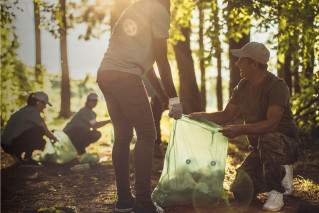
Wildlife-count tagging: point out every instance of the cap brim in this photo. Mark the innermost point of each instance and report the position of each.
(238, 53)
(49, 104)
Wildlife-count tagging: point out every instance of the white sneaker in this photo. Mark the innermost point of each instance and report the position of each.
(287, 182)
(274, 202)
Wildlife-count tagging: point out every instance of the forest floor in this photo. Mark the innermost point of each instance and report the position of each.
(55, 188)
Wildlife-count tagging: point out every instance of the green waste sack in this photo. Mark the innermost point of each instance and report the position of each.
(89, 158)
(132, 143)
(62, 151)
(194, 166)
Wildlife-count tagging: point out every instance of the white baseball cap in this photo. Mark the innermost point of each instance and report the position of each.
(254, 50)
(92, 96)
(41, 96)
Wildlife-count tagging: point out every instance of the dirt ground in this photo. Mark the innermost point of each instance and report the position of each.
(55, 188)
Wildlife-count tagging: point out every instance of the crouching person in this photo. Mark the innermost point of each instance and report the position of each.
(25, 129)
(263, 100)
(81, 129)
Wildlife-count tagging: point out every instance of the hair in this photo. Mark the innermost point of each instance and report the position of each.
(260, 65)
(32, 101)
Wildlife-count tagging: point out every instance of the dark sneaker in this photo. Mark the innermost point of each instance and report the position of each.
(124, 207)
(31, 163)
(149, 208)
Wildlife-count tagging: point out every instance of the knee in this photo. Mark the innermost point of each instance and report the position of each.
(270, 148)
(147, 135)
(267, 141)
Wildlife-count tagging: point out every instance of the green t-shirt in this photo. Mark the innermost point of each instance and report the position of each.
(81, 119)
(20, 121)
(255, 100)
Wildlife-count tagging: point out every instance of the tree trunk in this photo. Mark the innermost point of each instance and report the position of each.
(287, 72)
(38, 65)
(202, 59)
(234, 70)
(189, 94)
(219, 88)
(118, 7)
(65, 111)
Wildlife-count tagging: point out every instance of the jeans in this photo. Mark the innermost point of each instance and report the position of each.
(129, 108)
(158, 110)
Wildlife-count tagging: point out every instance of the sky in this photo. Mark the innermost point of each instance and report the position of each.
(84, 57)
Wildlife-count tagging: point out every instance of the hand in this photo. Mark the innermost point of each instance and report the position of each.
(232, 131)
(175, 108)
(195, 115)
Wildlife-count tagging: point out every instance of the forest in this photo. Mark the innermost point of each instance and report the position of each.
(202, 32)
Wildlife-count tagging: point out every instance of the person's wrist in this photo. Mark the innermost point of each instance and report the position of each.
(173, 101)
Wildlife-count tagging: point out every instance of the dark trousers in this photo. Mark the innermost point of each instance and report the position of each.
(263, 166)
(157, 109)
(82, 138)
(129, 108)
(28, 141)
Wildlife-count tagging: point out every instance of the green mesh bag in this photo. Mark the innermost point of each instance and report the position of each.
(62, 151)
(194, 166)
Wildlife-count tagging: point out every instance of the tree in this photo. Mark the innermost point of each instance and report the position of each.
(15, 81)
(65, 110)
(38, 66)
(180, 28)
(238, 34)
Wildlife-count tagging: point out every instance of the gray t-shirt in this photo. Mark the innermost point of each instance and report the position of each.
(81, 119)
(20, 121)
(255, 100)
(131, 44)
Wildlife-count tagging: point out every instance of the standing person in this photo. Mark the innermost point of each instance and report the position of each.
(25, 129)
(81, 129)
(263, 100)
(137, 41)
(157, 110)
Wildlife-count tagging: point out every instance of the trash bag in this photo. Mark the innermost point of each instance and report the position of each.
(132, 143)
(89, 158)
(62, 151)
(194, 166)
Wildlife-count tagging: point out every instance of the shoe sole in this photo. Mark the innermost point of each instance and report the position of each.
(273, 210)
(123, 210)
(31, 166)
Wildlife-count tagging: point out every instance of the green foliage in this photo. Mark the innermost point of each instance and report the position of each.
(181, 14)
(305, 106)
(15, 76)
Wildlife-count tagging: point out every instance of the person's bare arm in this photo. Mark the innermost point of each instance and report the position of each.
(160, 48)
(99, 124)
(48, 133)
(274, 115)
(220, 117)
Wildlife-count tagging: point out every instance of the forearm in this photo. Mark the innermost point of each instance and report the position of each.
(166, 77)
(100, 124)
(152, 78)
(216, 117)
(258, 128)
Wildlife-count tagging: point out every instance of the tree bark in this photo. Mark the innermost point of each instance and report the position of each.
(234, 70)
(38, 63)
(189, 94)
(202, 59)
(65, 111)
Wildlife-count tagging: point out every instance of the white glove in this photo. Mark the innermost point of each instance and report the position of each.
(175, 108)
